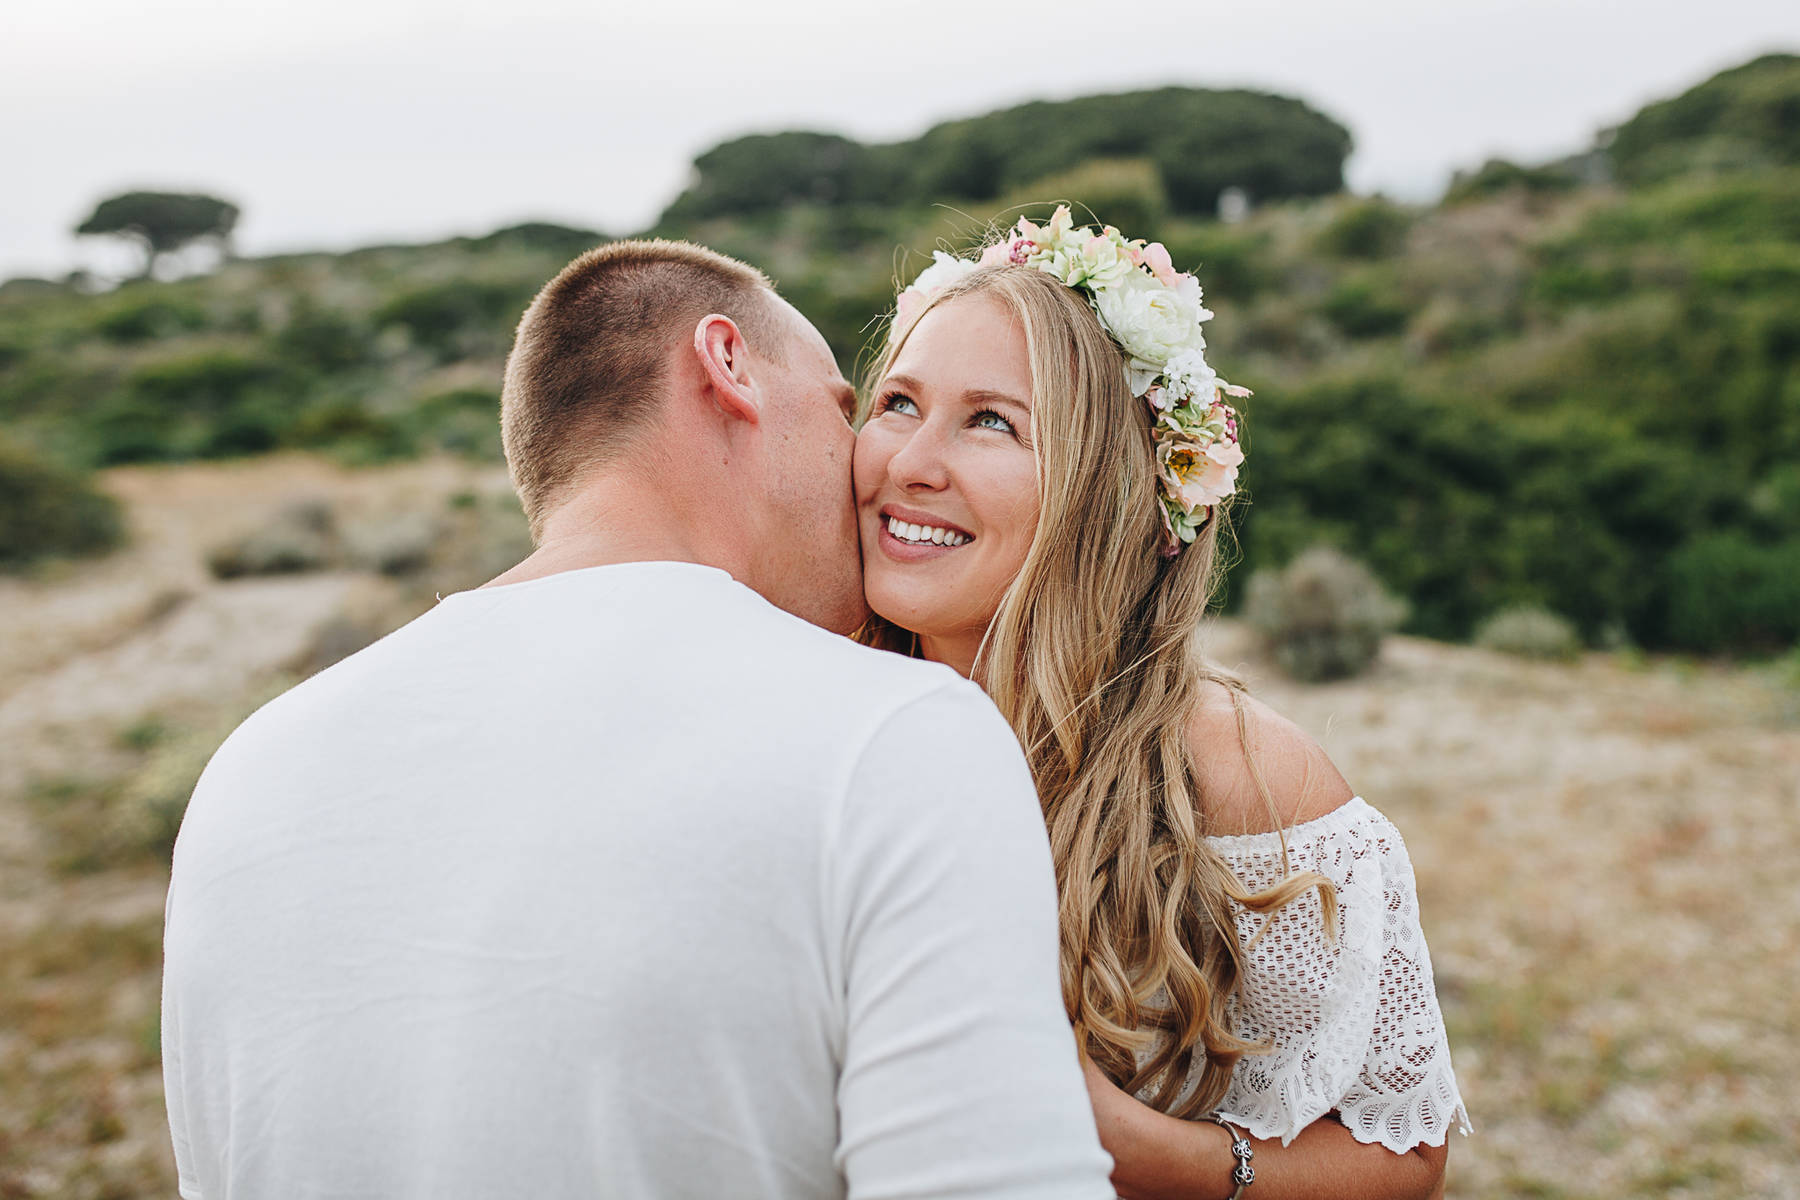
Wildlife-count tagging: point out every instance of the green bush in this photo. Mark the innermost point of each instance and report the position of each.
(1365, 308)
(461, 318)
(212, 404)
(463, 421)
(1366, 229)
(1323, 616)
(1728, 592)
(347, 430)
(138, 316)
(1530, 633)
(47, 510)
(323, 339)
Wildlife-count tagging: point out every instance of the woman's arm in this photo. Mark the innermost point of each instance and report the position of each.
(1157, 1156)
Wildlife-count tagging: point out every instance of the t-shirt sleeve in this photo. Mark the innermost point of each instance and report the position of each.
(959, 1075)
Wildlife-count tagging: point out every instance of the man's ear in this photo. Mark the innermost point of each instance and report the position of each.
(725, 358)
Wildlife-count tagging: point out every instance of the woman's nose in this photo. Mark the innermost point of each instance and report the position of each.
(919, 463)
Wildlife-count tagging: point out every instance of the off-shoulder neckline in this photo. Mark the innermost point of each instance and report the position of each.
(1354, 807)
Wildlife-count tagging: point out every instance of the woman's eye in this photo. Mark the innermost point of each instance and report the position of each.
(988, 419)
(897, 403)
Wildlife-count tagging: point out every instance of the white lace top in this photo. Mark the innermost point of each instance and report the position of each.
(1355, 1022)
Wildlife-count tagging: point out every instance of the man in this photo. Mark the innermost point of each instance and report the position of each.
(618, 877)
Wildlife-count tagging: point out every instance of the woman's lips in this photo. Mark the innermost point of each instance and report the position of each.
(902, 548)
(903, 551)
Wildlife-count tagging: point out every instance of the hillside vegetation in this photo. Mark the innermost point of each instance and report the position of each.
(1552, 390)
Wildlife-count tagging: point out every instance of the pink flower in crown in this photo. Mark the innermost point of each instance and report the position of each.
(997, 255)
(1213, 485)
(1226, 454)
(1195, 473)
(1020, 250)
(1156, 256)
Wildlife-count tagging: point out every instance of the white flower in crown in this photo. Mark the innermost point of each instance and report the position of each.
(1152, 322)
(945, 269)
(1187, 379)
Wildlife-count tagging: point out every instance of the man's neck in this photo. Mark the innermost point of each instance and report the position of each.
(605, 527)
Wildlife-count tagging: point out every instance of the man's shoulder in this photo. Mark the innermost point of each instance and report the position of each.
(839, 669)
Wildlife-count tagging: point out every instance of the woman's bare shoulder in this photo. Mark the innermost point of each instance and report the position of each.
(1301, 779)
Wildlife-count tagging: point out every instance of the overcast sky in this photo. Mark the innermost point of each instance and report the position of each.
(337, 123)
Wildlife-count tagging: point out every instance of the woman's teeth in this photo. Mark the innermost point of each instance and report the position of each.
(925, 535)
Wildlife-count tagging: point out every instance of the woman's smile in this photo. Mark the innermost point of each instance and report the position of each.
(910, 535)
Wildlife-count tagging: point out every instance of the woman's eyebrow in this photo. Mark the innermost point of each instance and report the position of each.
(989, 396)
(971, 396)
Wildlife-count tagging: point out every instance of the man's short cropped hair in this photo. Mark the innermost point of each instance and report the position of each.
(589, 359)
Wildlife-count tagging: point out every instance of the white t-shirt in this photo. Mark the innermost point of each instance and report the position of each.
(620, 882)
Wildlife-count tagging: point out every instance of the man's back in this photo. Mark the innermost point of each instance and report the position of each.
(620, 882)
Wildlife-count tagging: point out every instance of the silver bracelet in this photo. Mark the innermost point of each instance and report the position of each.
(1243, 1174)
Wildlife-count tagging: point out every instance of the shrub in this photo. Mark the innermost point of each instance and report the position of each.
(1530, 633)
(300, 537)
(348, 431)
(208, 405)
(136, 317)
(323, 339)
(47, 510)
(1365, 308)
(1323, 616)
(1728, 592)
(1368, 229)
(464, 421)
(460, 318)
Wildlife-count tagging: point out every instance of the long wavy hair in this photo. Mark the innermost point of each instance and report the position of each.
(1093, 657)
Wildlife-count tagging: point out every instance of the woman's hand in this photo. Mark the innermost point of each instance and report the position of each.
(1156, 1155)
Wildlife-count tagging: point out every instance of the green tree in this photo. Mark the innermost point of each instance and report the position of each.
(1200, 141)
(162, 222)
(765, 171)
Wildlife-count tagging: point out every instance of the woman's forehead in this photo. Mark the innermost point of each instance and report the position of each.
(972, 343)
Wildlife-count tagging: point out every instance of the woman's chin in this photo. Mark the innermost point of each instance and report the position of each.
(911, 613)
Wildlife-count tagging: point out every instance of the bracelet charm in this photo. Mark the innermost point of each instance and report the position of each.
(1243, 1174)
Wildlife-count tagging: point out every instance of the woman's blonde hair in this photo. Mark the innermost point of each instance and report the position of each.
(1093, 657)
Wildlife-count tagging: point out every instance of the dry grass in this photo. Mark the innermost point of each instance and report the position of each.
(1605, 854)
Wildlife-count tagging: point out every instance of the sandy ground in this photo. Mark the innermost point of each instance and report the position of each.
(1606, 858)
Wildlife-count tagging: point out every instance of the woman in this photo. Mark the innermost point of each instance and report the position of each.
(1042, 478)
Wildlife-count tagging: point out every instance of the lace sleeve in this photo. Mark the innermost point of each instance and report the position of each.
(1353, 1024)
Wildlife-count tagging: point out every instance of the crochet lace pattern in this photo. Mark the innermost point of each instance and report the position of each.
(1354, 1024)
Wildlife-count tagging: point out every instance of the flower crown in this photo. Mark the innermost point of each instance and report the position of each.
(1154, 314)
